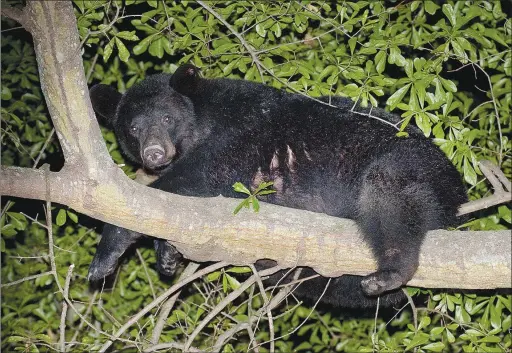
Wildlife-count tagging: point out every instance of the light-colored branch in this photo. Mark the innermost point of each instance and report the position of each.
(15, 14)
(501, 185)
(169, 304)
(330, 245)
(226, 301)
(160, 299)
(65, 293)
(28, 278)
(247, 46)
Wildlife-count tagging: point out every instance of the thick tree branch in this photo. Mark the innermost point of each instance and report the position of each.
(204, 229)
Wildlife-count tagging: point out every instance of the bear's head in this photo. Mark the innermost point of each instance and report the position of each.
(154, 121)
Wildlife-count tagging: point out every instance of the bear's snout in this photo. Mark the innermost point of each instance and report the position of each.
(153, 155)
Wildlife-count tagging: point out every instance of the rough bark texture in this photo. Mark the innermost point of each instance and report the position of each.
(204, 229)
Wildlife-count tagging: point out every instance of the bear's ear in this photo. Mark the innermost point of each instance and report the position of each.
(104, 101)
(185, 79)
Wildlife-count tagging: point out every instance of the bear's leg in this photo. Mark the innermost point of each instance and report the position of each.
(114, 242)
(167, 257)
(183, 179)
(395, 211)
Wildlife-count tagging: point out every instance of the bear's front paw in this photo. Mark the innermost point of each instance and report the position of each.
(381, 281)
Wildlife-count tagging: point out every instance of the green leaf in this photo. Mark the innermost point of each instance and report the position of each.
(6, 93)
(239, 269)
(127, 35)
(431, 7)
(352, 44)
(61, 217)
(108, 50)
(213, 276)
(255, 204)
(380, 61)
(233, 282)
(239, 187)
(469, 172)
(434, 347)
(124, 54)
(505, 214)
(156, 48)
(261, 30)
(72, 216)
(450, 14)
(245, 203)
(397, 96)
(143, 45)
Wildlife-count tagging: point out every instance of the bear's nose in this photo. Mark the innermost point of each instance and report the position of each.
(153, 154)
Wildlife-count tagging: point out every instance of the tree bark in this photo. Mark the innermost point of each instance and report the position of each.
(204, 229)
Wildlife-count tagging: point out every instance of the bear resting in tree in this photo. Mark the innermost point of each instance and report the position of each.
(203, 135)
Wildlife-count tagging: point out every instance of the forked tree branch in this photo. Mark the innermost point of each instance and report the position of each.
(204, 229)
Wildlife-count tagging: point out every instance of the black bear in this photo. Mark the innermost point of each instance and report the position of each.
(203, 135)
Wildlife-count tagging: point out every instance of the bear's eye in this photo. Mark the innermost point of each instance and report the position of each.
(166, 119)
(134, 129)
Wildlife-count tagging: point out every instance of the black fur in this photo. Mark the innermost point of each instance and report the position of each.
(204, 135)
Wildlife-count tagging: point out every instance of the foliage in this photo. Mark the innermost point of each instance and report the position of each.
(261, 190)
(444, 67)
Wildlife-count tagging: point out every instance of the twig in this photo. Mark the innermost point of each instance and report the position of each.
(307, 317)
(28, 278)
(15, 14)
(413, 308)
(91, 68)
(169, 304)
(269, 312)
(87, 312)
(228, 299)
(374, 334)
(221, 340)
(253, 54)
(172, 345)
(160, 299)
(500, 183)
(65, 294)
(150, 282)
(40, 154)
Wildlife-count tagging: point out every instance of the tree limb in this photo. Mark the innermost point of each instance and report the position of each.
(204, 229)
(15, 15)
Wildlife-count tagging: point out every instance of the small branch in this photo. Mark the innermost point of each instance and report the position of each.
(269, 312)
(307, 317)
(28, 278)
(82, 323)
(247, 46)
(228, 299)
(226, 335)
(501, 185)
(169, 304)
(495, 176)
(143, 263)
(413, 308)
(172, 346)
(160, 299)
(65, 294)
(15, 14)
